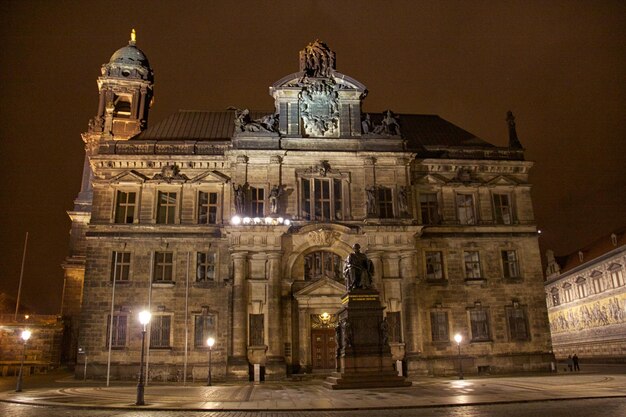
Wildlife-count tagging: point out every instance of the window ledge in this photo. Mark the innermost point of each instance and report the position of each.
(163, 284)
(482, 341)
(437, 281)
(161, 348)
(475, 281)
(513, 280)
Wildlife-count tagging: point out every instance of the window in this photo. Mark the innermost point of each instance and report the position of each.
(323, 264)
(385, 204)
(205, 266)
(204, 327)
(434, 266)
(518, 323)
(555, 297)
(394, 327)
(472, 265)
(321, 199)
(257, 330)
(125, 207)
(439, 326)
(120, 266)
(479, 320)
(510, 266)
(429, 208)
(465, 208)
(118, 338)
(207, 208)
(166, 207)
(163, 266)
(568, 293)
(121, 106)
(160, 327)
(502, 209)
(617, 278)
(581, 287)
(257, 202)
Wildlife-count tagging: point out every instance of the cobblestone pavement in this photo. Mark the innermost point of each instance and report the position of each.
(605, 407)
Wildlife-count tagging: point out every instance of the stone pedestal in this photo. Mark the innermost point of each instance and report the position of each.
(363, 354)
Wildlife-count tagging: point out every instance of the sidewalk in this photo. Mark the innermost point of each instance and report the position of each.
(310, 395)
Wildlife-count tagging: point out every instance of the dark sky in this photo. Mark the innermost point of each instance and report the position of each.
(559, 65)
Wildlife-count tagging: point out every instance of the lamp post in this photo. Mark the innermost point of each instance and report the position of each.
(144, 319)
(25, 336)
(210, 342)
(458, 338)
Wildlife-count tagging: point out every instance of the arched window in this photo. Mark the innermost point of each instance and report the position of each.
(323, 264)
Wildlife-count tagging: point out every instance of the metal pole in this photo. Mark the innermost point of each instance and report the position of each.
(18, 388)
(460, 363)
(149, 309)
(85, 369)
(140, 385)
(19, 288)
(209, 375)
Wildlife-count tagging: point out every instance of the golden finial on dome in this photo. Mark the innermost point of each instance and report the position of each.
(133, 37)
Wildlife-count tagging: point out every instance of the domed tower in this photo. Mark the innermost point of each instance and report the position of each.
(125, 93)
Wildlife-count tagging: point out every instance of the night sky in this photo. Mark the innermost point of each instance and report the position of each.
(558, 65)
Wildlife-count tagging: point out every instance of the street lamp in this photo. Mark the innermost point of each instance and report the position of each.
(144, 319)
(25, 336)
(210, 342)
(458, 338)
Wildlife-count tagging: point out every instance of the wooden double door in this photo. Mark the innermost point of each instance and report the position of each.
(323, 349)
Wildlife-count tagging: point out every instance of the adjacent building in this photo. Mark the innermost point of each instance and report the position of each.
(586, 297)
(235, 224)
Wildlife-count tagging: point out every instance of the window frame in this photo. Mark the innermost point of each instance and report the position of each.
(498, 212)
(123, 266)
(205, 331)
(169, 207)
(162, 264)
(617, 276)
(157, 332)
(432, 210)
(512, 325)
(257, 201)
(477, 334)
(427, 264)
(209, 209)
(316, 201)
(321, 258)
(384, 202)
(465, 209)
(118, 206)
(119, 339)
(439, 329)
(507, 263)
(206, 265)
(477, 266)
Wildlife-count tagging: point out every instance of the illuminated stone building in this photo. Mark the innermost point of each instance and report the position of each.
(236, 224)
(586, 297)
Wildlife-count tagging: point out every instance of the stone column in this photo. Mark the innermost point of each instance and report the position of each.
(376, 258)
(410, 316)
(275, 356)
(240, 310)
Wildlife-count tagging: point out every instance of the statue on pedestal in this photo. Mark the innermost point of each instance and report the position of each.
(358, 270)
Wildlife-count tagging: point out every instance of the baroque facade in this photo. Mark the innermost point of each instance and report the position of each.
(586, 298)
(236, 225)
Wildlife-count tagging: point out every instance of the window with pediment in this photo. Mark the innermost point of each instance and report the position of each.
(554, 294)
(517, 320)
(568, 293)
(322, 199)
(207, 207)
(429, 208)
(617, 275)
(439, 327)
(479, 324)
(125, 207)
(581, 287)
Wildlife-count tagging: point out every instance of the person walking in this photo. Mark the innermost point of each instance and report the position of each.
(570, 363)
(575, 362)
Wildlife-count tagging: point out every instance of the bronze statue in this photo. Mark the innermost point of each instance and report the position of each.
(358, 270)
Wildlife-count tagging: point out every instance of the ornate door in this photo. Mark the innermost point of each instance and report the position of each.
(323, 348)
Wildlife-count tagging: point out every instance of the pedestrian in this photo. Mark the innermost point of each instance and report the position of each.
(575, 361)
(570, 363)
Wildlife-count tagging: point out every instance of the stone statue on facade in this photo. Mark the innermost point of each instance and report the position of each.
(403, 199)
(240, 198)
(358, 270)
(244, 123)
(370, 202)
(317, 60)
(275, 194)
(366, 124)
(388, 126)
(384, 331)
